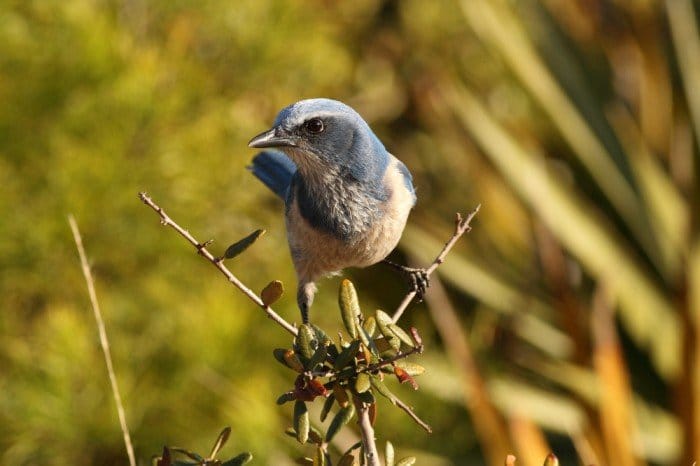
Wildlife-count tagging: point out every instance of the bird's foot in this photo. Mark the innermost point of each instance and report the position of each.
(418, 278)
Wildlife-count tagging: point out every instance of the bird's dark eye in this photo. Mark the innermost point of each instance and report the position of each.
(315, 125)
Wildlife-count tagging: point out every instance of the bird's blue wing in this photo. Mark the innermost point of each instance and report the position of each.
(275, 170)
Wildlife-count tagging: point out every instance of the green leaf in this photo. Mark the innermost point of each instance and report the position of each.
(327, 405)
(369, 343)
(320, 458)
(403, 336)
(279, 353)
(370, 326)
(305, 342)
(321, 336)
(346, 355)
(272, 292)
(362, 384)
(240, 246)
(318, 357)
(389, 454)
(349, 307)
(301, 421)
(383, 322)
(220, 442)
(339, 420)
(239, 460)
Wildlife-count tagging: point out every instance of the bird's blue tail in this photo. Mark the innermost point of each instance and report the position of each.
(275, 169)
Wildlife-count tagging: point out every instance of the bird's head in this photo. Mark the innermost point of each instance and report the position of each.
(326, 136)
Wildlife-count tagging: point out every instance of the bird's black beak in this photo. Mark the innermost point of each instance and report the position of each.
(275, 137)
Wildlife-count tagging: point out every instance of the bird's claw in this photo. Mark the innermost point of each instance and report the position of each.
(418, 279)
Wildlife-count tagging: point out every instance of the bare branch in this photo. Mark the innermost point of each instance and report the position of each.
(462, 226)
(103, 339)
(369, 443)
(413, 415)
(218, 263)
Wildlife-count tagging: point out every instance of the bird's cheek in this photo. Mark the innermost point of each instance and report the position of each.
(304, 159)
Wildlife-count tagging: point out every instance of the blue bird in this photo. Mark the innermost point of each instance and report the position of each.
(346, 198)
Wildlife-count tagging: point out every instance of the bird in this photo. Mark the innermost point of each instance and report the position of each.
(347, 199)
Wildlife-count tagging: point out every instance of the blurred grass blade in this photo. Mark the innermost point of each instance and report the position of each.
(665, 204)
(499, 27)
(615, 407)
(528, 439)
(645, 311)
(493, 291)
(684, 30)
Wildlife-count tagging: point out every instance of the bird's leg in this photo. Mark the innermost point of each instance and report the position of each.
(305, 297)
(418, 279)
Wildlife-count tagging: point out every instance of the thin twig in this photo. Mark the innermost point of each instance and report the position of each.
(462, 225)
(369, 443)
(218, 263)
(413, 415)
(103, 338)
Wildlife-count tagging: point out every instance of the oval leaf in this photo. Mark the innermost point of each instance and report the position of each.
(403, 336)
(408, 461)
(362, 383)
(305, 342)
(301, 421)
(240, 246)
(389, 454)
(349, 306)
(327, 405)
(239, 460)
(383, 322)
(341, 395)
(346, 355)
(292, 360)
(370, 326)
(341, 418)
(272, 292)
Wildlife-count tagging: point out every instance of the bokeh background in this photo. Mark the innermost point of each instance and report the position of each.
(567, 321)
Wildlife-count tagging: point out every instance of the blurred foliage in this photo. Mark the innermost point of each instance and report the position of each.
(576, 297)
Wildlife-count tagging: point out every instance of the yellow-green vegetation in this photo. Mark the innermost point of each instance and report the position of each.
(568, 320)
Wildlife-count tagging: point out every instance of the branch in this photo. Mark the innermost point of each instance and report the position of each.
(462, 226)
(412, 415)
(103, 339)
(218, 263)
(369, 444)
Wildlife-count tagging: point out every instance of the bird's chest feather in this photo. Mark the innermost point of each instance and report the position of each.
(345, 226)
